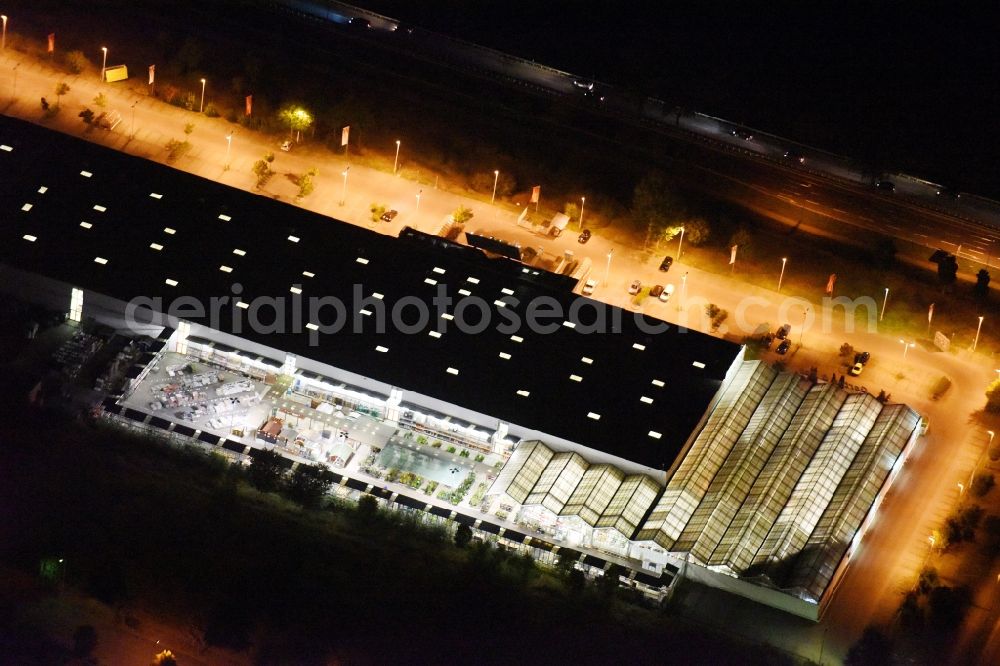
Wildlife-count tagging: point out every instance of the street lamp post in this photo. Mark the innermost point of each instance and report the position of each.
(802, 331)
(906, 347)
(684, 291)
(980, 459)
(496, 179)
(131, 133)
(680, 244)
(979, 328)
(4, 17)
(343, 196)
(781, 277)
(885, 299)
(418, 202)
(583, 203)
(201, 107)
(13, 95)
(104, 61)
(229, 146)
(395, 163)
(607, 271)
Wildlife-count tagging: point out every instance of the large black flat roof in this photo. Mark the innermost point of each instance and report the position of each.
(127, 227)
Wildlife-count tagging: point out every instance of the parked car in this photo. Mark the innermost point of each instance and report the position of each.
(856, 370)
(588, 287)
(656, 290)
(783, 332)
(886, 185)
(634, 287)
(862, 357)
(584, 236)
(388, 215)
(666, 264)
(741, 133)
(286, 145)
(666, 293)
(948, 192)
(784, 346)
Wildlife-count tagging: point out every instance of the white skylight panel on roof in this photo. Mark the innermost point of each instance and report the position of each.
(171, 282)
(587, 360)
(361, 260)
(658, 382)
(365, 311)
(244, 306)
(594, 415)
(430, 281)
(225, 269)
(294, 239)
(295, 290)
(506, 291)
(655, 435)
(239, 253)
(499, 304)
(156, 195)
(308, 274)
(168, 230)
(43, 189)
(86, 225)
(4, 147)
(523, 393)
(698, 364)
(452, 371)
(647, 400)
(516, 338)
(638, 346)
(99, 208)
(447, 316)
(86, 174)
(465, 292)
(434, 334)
(473, 280)
(26, 207)
(29, 238)
(156, 246)
(312, 327)
(378, 295)
(100, 260)
(381, 349)
(505, 356)
(569, 324)
(576, 378)
(439, 271)
(224, 217)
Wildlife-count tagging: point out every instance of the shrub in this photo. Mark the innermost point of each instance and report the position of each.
(76, 62)
(87, 115)
(982, 484)
(451, 449)
(211, 111)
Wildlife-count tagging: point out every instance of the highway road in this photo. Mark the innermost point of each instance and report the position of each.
(890, 555)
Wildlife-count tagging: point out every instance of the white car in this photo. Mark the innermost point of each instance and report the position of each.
(589, 286)
(666, 293)
(634, 287)
(286, 145)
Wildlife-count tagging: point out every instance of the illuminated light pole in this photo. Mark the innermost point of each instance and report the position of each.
(496, 179)
(607, 272)
(131, 133)
(343, 196)
(979, 460)
(906, 346)
(583, 203)
(680, 244)
(229, 147)
(4, 17)
(784, 260)
(395, 163)
(104, 61)
(979, 328)
(13, 95)
(885, 299)
(802, 331)
(418, 202)
(684, 291)
(201, 107)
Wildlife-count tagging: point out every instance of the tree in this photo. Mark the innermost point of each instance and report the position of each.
(84, 641)
(483, 182)
(309, 484)
(189, 55)
(87, 115)
(462, 215)
(367, 508)
(608, 583)
(567, 561)
(982, 484)
(947, 270)
(741, 237)
(846, 350)
(165, 658)
(571, 210)
(873, 649)
(101, 100)
(654, 204)
(982, 287)
(61, 89)
(76, 62)
(947, 605)
(463, 535)
(377, 211)
(266, 470)
(298, 120)
(188, 128)
(697, 230)
(928, 580)
(993, 397)
(306, 185)
(262, 170)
